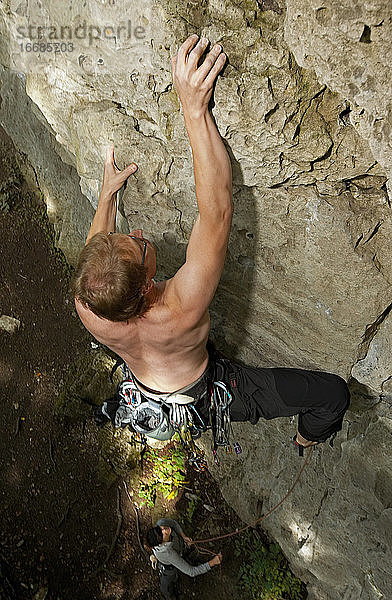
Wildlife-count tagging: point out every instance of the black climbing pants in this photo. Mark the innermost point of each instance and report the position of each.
(320, 399)
(168, 576)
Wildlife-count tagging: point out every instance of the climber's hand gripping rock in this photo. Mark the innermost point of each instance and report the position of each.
(194, 84)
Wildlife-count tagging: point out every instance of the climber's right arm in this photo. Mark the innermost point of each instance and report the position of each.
(195, 282)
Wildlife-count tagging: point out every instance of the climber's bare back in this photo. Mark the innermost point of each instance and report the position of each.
(165, 349)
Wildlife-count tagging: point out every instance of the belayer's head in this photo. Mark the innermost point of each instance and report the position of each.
(154, 536)
(114, 275)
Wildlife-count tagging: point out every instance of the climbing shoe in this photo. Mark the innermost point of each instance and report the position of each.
(297, 445)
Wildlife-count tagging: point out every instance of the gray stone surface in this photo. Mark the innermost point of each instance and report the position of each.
(51, 169)
(375, 370)
(304, 109)
(335, 527)
(348, 44)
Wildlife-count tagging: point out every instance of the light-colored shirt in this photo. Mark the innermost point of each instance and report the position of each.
(169, 553)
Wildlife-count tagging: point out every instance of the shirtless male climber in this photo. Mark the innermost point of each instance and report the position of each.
(161, 329)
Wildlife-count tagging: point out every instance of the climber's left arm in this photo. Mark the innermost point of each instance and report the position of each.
(113, 179)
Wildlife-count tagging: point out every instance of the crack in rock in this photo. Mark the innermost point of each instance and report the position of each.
(317, 513)
(375, 230)
(385, 381)
(314, 97)
(371, 331)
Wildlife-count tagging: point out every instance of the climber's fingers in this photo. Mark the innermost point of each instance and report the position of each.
(193, 84)
(123, 175)
(113, 177)
(185, 48)
(196, 53)
(211, 67)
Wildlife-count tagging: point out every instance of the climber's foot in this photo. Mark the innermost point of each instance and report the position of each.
(303, 441)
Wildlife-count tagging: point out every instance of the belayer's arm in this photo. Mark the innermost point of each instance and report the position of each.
(177, 561)
(113, 179)
(195, 283)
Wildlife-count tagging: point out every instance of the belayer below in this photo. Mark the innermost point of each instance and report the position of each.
(167, 542)
(173, 379)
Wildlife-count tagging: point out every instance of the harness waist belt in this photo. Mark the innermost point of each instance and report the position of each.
(196, 389)
(166, 567)
(172, 398)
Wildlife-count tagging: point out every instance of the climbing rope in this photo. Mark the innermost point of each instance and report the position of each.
(238, 531)
(139, 535)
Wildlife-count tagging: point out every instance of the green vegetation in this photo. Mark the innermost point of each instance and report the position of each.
(167, 475)
(265, 574)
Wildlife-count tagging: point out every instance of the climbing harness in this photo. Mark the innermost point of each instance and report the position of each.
(162, 415)
(156, 416)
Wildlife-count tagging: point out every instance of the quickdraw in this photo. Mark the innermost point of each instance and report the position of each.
(195, 456)
(220, 420)
(139, 438)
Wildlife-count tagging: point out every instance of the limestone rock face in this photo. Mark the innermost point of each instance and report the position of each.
(375, 369)
(304, 108)
(335, 525)
(349, 47)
